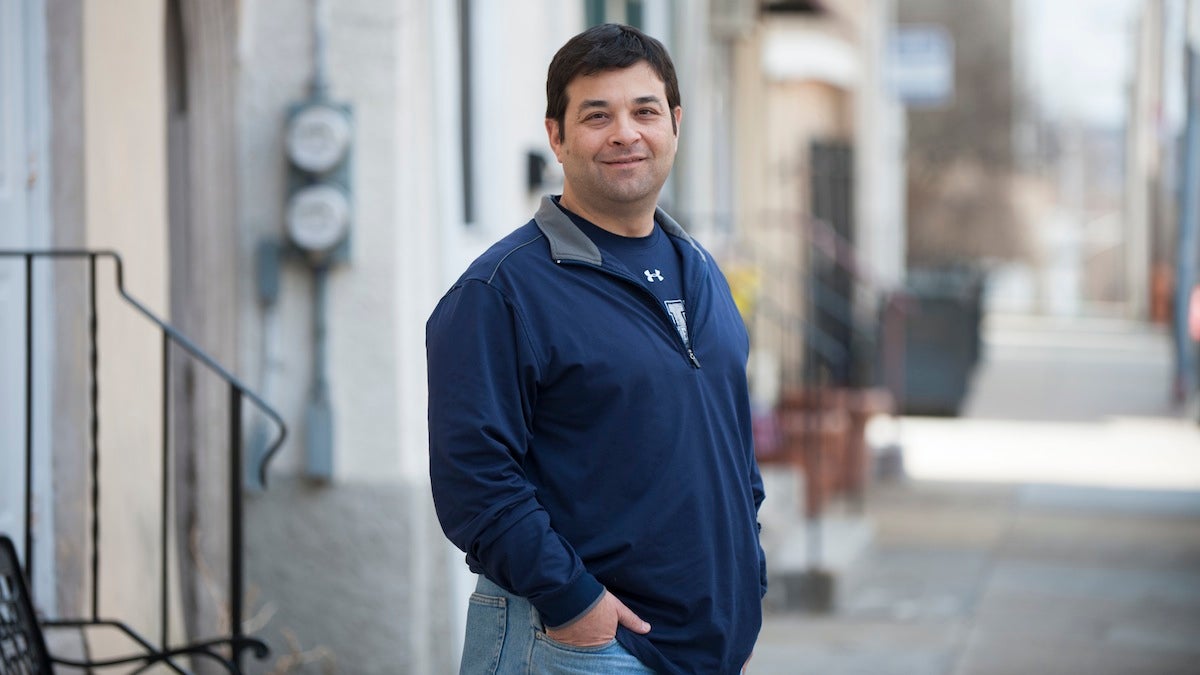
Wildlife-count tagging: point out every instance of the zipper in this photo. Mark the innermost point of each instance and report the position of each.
(658, 307)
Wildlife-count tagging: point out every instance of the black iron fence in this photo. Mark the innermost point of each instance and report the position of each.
(226, 649)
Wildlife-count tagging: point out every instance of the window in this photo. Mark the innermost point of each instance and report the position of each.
(615, 11)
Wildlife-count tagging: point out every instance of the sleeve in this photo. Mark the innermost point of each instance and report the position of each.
(482, 389)
(756, 486)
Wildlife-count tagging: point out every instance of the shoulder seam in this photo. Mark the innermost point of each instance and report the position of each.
(516, 310)
(516, 248)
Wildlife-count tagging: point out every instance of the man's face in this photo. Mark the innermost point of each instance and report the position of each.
(618, 141)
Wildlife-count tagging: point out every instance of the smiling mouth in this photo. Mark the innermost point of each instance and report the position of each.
(624, 161)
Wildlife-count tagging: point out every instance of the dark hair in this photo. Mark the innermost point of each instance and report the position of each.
(609, 46)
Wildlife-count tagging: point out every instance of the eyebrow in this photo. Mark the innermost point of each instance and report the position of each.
(601, 103)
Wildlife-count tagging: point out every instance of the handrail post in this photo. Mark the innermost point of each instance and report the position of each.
(164, 532)
(235, 521)
(94, 365)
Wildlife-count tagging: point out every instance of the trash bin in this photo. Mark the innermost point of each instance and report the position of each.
(942, 340)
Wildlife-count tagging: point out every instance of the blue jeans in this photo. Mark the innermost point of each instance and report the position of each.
(505, 636)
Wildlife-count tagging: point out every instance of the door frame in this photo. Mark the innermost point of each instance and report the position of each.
(24, 194)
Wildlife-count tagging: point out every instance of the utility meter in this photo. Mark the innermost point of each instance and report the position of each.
(318, 217)
(318, 141)
(318, 138)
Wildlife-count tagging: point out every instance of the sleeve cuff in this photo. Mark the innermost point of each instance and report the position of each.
(568, 604)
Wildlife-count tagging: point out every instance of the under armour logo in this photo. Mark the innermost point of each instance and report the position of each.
(653, 276)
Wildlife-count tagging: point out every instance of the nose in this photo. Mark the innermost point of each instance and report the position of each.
(624, 131)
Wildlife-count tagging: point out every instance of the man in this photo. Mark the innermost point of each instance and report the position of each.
(589, 422)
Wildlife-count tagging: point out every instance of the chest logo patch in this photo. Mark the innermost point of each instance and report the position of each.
(675, 309)
(653, 276)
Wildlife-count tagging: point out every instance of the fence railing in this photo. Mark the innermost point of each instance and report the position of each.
(238, 395)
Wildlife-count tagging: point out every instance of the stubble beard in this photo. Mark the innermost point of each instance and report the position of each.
(629, 191)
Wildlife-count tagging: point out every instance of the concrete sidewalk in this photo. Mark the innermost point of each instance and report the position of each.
(1054, 529)
(973, 579)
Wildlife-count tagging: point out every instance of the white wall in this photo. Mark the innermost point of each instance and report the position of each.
(274, 43)
(512, 44)
(383, 59)
(697, 66)
(126, 210)
(376, 58)
(397, 65)
(879, 160)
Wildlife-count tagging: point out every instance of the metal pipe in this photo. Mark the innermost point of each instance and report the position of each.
(29, 419)
(319, 422)
(321, 294)
(320, 81)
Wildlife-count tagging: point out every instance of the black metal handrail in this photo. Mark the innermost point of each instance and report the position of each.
(238, 393)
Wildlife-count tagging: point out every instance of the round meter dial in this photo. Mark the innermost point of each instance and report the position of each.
(318, 217)
(318, 138)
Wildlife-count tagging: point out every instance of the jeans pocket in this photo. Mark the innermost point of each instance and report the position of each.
(486, 621)
(549, 656)
(551, 642)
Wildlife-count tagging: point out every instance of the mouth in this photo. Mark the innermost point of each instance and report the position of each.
(623, 161)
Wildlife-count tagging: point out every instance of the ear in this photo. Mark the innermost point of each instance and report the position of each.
(678, 113)
(552, 136)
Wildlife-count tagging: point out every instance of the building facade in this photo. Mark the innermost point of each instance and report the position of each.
(159, 129)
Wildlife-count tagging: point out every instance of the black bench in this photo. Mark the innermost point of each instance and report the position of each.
(23, 644)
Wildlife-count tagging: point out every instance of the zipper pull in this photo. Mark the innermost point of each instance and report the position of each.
(692, 356)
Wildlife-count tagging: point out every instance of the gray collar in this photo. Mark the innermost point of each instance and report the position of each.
(568, 242)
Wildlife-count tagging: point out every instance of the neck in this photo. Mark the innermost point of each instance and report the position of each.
(626, 220)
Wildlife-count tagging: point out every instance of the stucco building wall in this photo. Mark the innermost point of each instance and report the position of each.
(125, 210)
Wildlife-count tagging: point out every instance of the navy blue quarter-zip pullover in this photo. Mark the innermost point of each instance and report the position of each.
(579, 440)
